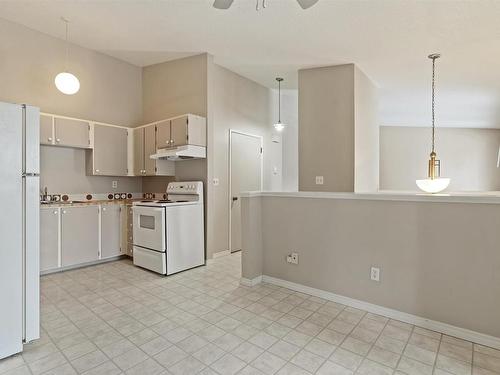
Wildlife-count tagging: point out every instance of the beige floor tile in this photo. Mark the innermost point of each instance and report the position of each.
(47, 363)
(268, 363)
(320, 348)
(424, 342)
(187, 366)
(356, 346)
(346, 359)
(148, 367)
(331, 336)
(330, 368)
(209, 354)
(106, 368)
(487, 362)
(308, 361)
(390, 344)
(263, 340)
(297, 338)
(290, 369)
(130, 359)
(412, 367)
(89, 361)
(422, 355)
(170, 356)
(284, 350)
(383, 357)
(457, 352)
(487, 350)
(369, 367)
(452, 365)
(228, 364)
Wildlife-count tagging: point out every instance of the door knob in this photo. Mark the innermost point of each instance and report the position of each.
(235, 199)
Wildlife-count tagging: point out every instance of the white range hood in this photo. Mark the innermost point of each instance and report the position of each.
(186, 152)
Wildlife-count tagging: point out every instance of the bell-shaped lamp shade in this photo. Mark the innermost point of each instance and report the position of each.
(279, 126)
(433, 185)
(67, 83)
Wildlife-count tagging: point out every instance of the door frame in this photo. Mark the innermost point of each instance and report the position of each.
(230, 195)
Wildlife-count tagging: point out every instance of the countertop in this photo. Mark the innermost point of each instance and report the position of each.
(459, 197)
(90, 203)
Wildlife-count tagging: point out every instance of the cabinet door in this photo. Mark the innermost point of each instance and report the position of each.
(49, 238)
(179, 129)
(139, 152)
(46, 130)
(110, 231)
(79, 234)
(110, 150)
(149, 149)
(163, 134)
(72, 133)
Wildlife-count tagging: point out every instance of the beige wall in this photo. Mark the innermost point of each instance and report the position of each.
(326, 128)
(110, 89)
(438, 260)
(366, 134)
(174, 88)
(110, 92)
(240, 104)
(468, 157)
(62, 170)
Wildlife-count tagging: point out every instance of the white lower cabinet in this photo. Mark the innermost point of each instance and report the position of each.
(79, 235)
(111, 229)
(49, 238)
(74, 235)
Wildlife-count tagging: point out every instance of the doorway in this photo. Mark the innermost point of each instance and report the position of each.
(245, 174)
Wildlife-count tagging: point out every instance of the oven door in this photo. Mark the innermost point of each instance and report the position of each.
(149, 227)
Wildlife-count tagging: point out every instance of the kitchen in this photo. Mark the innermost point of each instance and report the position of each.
(151, 257)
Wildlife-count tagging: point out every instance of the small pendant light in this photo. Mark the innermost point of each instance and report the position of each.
(279, 126)
(66, 82)
(433, 183)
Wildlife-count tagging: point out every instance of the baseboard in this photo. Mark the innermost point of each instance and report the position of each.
(83, 265)
(447, 329)
(251, 282)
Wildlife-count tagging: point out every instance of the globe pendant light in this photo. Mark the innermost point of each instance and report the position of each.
(279, 126)
(433, 183)
(66, 82)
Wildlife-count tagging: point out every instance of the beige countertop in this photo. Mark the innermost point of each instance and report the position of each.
(492, 197)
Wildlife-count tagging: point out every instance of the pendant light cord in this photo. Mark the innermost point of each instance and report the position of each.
(67, 43)
(433, 99)
(279, 102)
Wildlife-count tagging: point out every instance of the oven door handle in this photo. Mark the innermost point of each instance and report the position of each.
(147, 209)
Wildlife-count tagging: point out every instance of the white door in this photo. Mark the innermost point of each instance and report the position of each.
(246, 175)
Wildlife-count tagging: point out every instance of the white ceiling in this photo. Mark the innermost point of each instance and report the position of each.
(388, 39)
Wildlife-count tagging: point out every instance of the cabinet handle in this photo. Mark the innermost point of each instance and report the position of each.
(97, 171)
(49, 139)
(64, 211)
(58, 140)
(104, 208)
(55, 212)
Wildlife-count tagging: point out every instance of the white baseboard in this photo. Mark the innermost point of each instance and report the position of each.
(251, 282)
(447, 329)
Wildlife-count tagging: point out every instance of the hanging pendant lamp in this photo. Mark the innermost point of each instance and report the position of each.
(433, 183)
(279, 126)
(67, 82)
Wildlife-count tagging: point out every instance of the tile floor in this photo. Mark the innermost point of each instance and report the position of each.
(116, 318)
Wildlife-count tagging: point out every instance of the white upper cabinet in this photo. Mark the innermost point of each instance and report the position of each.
(46, 130)
(71, 132)
(182, 130)
(109, 154)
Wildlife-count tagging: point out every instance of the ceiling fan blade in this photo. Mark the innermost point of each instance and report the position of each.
(307, 3)
(222, 4)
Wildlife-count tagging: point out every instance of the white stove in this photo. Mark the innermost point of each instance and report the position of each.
(169, 234)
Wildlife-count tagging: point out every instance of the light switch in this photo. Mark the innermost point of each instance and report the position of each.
(114, 184)
(215, 181)
(319, 180)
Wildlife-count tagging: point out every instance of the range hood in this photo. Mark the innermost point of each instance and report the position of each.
(186, 152)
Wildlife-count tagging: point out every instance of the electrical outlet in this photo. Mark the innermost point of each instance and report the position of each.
(319, 180)
(114, 184)
(293, 258)
(215, 181)
(375, 274)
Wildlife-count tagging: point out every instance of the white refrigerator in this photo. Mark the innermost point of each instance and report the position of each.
(19, 227)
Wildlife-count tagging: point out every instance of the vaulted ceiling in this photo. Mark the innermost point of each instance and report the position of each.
(388, 39)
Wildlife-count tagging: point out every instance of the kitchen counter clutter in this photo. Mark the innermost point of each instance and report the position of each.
(438, 256)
